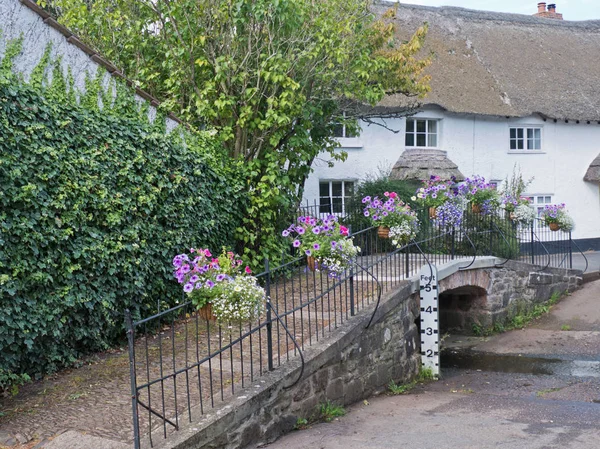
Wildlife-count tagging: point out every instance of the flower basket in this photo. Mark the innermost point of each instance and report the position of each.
(432, 212)
(383, 232)
(476, 208)
(206, 312)
(311, 262)
(554, 226)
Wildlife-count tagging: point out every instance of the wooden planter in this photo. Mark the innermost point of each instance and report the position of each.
(432, 212)
(206, 312)
(554, 226)
(383, 232)
(311, 262)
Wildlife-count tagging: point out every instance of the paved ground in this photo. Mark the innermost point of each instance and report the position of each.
(532, 388)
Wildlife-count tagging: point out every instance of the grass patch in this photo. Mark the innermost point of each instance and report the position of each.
(326, 412)
(565, 327)
(520, 320)
(545, 391)
(425, 375)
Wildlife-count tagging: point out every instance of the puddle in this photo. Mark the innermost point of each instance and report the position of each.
(505, 363)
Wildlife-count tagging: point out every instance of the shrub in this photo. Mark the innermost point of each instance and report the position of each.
(92, 206)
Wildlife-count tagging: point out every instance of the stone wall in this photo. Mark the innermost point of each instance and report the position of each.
(494, 295)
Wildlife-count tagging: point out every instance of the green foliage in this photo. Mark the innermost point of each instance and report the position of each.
(425, 375)
(301, 424)
(329, 411)
(272, 78)
(10, 382)
(92, 209)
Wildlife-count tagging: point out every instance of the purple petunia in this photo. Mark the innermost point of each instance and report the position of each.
(317, 247)
(285, 233)
(308, 252)
(296, 243)
(188, 287)
(194, 279)
(220, 277)
(210, 284)
(316, 230)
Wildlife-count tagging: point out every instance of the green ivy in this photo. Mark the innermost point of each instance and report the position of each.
(93, 206)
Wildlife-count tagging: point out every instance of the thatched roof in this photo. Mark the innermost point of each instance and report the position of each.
(593, 171)
(419, 164)
(506, 64)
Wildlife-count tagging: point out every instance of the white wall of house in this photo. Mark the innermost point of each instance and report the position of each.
(17, 20)
(480, 145)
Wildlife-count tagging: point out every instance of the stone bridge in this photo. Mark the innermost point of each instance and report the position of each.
(358, 361)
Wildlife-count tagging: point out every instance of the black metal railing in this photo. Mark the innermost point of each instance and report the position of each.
(183, 365)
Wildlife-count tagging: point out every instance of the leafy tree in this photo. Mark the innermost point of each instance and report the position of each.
(271, 77)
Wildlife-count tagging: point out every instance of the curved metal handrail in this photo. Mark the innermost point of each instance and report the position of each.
(293, 338)
(379, 290)
(543, 246)
(581, 252)
(505, 241)
(474, 250)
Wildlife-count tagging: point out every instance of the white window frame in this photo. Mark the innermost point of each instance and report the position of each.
(345, 131)
(427, 133)
(525, 139)
(539, 200)
(344, 197)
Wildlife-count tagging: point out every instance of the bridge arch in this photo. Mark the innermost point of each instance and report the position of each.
(463, 301)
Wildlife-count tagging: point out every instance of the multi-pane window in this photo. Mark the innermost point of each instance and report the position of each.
(341, 130)
(539, 201)
(333, 196)
(421, 133)
(525, 138)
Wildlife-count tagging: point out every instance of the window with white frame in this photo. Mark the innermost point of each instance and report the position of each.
(525, 138)
(421, 133)
(539, 201)
(334, 195)
(342, 130)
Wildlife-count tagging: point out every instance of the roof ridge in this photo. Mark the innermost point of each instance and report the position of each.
(483, 15)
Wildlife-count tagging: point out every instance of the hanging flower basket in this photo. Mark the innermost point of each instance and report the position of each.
(311, 262)
(554, 226)
(432, 212)
(383, 232)
(206, 312)
(476, 208)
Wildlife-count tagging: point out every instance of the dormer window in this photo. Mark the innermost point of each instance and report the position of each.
(421, 133)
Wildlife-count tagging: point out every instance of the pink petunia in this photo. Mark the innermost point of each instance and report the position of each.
(207, 253)
(248, 270)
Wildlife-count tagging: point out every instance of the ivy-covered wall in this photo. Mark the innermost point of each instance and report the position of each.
(93, 206)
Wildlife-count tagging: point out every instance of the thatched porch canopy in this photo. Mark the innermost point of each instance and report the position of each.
(419, 164)
(593, 171)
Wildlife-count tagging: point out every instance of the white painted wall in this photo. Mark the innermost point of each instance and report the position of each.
(480, 145)
(18, 20)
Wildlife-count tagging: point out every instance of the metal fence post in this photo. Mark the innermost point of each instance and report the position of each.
(452, 249)
(406, 263)
(570, 251)
(352, 312)
(269, 316)
(532, 244)
(132, 375)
